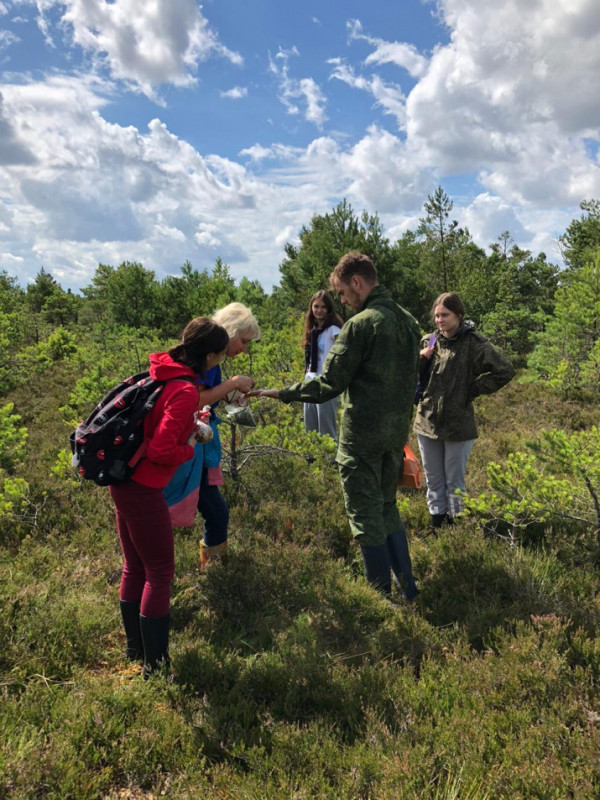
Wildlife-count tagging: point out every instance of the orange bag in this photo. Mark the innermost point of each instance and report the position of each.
(412, 476)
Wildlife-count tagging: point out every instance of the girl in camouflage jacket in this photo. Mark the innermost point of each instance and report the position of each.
(456, 365)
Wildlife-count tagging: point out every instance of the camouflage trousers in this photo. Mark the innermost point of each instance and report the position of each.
(369, 484)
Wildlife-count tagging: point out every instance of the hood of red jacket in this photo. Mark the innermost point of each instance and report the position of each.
(163, 368)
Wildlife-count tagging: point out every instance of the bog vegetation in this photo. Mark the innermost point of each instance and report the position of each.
(291, 677)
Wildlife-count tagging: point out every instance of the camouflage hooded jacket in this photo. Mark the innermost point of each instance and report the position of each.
(462, 368)
(373, 365)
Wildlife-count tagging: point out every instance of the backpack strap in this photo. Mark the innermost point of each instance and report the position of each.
(141, 452)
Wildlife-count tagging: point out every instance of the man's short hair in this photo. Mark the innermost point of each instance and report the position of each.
(354, 264)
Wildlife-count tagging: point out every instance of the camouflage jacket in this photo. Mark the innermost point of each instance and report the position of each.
(373, 366)
(461, 369)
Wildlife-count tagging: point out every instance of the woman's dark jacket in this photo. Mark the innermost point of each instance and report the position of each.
(461, 369)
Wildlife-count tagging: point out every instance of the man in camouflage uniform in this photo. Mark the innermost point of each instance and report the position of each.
(373, 366)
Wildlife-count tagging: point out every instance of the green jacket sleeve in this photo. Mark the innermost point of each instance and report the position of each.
(492, 370)
(341, 365)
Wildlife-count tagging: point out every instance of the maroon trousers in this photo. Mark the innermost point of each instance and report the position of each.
(146, 534)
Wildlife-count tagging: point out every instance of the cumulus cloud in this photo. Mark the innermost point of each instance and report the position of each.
(145, 44)
(106, 193)
(12, 151)
(512, 95)
(103, 190)
(292, 90)
(84, 213)
(385, 175)
(546, 170)
(488, 216)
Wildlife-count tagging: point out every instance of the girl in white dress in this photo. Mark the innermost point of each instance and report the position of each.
(322, 325)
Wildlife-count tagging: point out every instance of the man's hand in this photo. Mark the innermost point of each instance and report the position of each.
(274, 393)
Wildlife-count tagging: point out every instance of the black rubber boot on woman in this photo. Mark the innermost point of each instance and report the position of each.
(155, 635)
(130, 614)
(436, 521)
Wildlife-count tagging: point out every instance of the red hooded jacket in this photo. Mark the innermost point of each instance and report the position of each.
(168, 425)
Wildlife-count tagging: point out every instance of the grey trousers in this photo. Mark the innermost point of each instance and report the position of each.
(322, 417)
(445, 464)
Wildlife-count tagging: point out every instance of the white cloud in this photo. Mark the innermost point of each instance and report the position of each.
(7, 38)
(488, 216)
(208, 235)
(7, 259)
(257, 152)
(236, 93)
(512, 95)
(384, 174)
(12, 150)
(291, 89)
(104, 193)
(548, 169)
(287, 234)
(387, 96)
(494, 102)
(315, 101)
(143, 43)
(401, 54)
(101, 191)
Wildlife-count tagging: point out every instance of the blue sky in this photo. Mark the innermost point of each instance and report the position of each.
(168, 131)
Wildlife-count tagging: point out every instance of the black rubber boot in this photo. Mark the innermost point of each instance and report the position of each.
(401, 564)
(376, 560)
(436, 521)
(155, 635)
(130, 614)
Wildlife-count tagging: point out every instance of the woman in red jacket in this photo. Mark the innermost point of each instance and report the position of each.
(143, 519)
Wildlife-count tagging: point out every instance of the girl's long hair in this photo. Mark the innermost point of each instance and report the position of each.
(332, 317)
(200, 337)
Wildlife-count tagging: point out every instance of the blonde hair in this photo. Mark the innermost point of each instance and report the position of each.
(237, 320)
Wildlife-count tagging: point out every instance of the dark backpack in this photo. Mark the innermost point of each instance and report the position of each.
(109, 444)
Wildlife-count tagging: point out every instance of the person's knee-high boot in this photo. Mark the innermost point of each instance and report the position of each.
(130, 614)
(397, 545)
(155, 635)
(376, 560)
